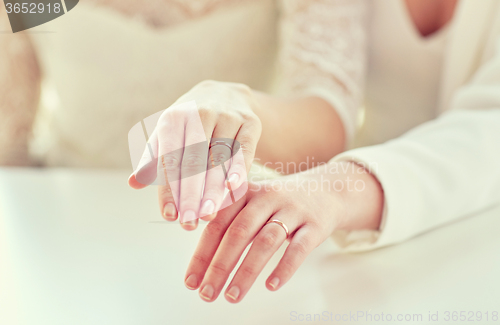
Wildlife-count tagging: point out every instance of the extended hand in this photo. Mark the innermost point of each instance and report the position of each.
(310, 213)
(223, 110)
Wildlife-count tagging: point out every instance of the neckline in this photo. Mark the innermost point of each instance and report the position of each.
(435, 36)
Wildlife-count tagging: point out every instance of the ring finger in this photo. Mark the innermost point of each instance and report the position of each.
(265, 245)
(219, 164)
(238, 236)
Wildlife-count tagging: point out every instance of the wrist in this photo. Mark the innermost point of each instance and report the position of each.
(357, 193)
(364, 201)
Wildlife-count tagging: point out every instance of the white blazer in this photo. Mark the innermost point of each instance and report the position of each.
(447, 168)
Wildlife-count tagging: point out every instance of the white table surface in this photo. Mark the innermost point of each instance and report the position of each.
(80, 247)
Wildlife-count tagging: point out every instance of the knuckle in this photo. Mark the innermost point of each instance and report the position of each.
(207, 83)
(170, 162)
(246, 139)
(255, 121)
(246, 148)
(268, 238)
(168, 115)
(242, 87)
(272, 192)
(200, 259)
(287, 266)
(214, 229)
(206, 112)
(193, 161)
(163, 124)
(219, 268)
(219, 158)
(252, 120)
(291, 203)
(313, 222)
(230, 117)
(165, 191)
(247, 271)
(238, 231)
(257, 189)
(300, 246)
(280, 193)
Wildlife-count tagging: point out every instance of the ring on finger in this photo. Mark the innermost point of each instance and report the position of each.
(278, 222)
(220, 143)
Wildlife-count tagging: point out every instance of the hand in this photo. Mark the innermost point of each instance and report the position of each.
(181, 138)
(310, 214)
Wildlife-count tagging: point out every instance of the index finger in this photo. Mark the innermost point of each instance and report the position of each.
(211, 238)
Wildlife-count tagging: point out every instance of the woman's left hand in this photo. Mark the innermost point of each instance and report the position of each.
(184, 142)
(310, 215)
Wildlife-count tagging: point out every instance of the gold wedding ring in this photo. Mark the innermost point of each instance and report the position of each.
(276, 221)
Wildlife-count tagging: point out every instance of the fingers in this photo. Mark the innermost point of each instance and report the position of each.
(167, 202)
(266, 243)
(170, 131)
(208, 244)
(225, 239)
(193, 169)
(303, 242)
(243, 153)
(145, 173)
(219, 163)
(237, 237)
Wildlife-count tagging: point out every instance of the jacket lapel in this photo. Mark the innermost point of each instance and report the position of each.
(465, 45)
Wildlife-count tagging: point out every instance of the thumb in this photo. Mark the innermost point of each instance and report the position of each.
(146, 171)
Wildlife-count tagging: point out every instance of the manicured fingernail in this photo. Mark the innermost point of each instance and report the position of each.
(233, 179)
(169, 211)
(208, 208)
(233, 293)
(274, 283)
(189, 217)
(191, 282)
(207, 293)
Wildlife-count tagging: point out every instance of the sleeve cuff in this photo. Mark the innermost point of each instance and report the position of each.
(364, 240)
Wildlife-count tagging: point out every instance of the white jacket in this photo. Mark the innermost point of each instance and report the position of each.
(447, 168)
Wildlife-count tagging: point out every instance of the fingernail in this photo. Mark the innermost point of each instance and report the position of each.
(233, 179)
(274, 283)
(207, 293)
(233, 293)
(189, 217)
(191, 282)
(208, 208)
(169, 211)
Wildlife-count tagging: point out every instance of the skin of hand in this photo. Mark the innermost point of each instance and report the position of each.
(226, 110)
(311, 216)
(285, 129)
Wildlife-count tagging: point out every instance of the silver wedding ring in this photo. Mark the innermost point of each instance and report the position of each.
(220, 143)
(276, 221)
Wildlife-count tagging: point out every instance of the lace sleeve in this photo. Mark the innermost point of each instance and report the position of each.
(323, 53)
(19, 92)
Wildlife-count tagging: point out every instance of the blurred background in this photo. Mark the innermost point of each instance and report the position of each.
(71, 89)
